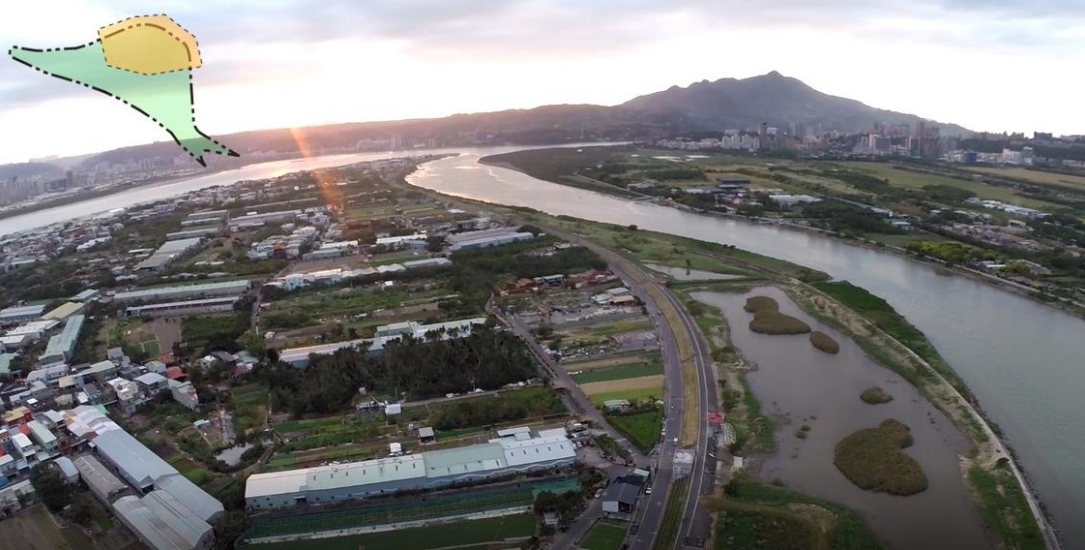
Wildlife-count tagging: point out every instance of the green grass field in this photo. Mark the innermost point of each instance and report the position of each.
(632, 395)
(643, 428)
(604, 535)
(614, 360)
(1035, 176)
(424, 538)
(755, 516)
(618, 373)
(1004, 508)
(918, 180)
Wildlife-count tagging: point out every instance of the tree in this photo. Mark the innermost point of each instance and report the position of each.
(51, 489)
(254, 344)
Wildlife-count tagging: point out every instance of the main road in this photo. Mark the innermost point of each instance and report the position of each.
(687, 361)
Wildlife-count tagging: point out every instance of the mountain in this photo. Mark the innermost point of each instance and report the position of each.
(29, 170)
(701, 108)
(772, 98)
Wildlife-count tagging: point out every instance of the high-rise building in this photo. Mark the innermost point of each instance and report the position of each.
(764, 136)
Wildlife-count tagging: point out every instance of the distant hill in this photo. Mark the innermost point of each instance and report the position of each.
(703, 107)
(772, 98)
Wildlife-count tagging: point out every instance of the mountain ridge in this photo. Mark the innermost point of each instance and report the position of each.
(701, 107)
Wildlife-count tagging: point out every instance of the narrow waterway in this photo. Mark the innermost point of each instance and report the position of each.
(1024, 361)
(799, 385)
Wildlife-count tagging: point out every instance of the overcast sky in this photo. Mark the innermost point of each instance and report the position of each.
(985, 64)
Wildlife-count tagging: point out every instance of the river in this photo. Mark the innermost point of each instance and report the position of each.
(802, 386)
(1023, 360)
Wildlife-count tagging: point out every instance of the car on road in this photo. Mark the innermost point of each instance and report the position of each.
(648, 491)
(676, 441)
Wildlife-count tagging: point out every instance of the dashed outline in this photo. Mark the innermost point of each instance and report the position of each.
(134, 25)
(191, 100)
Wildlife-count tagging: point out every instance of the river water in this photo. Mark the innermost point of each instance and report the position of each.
(1025, 361)
(800, 385)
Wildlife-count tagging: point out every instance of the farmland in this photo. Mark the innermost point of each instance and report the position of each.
(431, 537)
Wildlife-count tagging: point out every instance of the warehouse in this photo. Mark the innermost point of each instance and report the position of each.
(143, 469)
(102, 483)
(86, 296)
(64, 311)
(168, 252)
(181, 309)
(207, 290)
(33, 329)
(163, 523)
(16, 315)
(431, 469)
(486, 242)
(260, 219)
(205, 216)
(62, 346)
(192, 233)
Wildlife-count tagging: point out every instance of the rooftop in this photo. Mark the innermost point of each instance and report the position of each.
(64, 311)
(184, 290)
(131, 457)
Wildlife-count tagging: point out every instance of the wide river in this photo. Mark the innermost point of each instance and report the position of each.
(1025, 361)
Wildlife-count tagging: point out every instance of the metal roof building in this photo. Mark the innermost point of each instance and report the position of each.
(101, 481)
(203, 505)
(206, 305)
(426, 470)
(229, 288)
(21, 314)
(134, 462)
(299, 357)
(62, 346)
(86, 295)
(67, 467)
(64, 311)
(162, 523)
(169, 251)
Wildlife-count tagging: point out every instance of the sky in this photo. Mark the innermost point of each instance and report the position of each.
(995, 65)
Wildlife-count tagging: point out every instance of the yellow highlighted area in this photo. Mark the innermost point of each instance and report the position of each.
(151, 44)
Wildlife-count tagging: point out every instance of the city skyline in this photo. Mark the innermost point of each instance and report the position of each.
(285, 64)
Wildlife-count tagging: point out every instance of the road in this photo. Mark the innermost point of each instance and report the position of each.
(664, 307)
(563, 380)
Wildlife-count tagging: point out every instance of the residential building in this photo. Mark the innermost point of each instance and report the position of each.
(98, 373)
(10, 501)
(185, 394)
(152, 384)
(43, 437)
(67, 469)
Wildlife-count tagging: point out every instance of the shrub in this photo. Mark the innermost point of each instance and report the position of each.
(824, 342)
(761, 303)
(872, 459)
(875, 396)
(774, 322)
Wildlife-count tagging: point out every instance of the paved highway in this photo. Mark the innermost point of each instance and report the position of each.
(664, 307)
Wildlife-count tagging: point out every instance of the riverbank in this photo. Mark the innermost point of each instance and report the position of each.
(1033, 294)
(639, 245)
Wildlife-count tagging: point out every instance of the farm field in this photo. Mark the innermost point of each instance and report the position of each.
(475, 532)
(616, 360)
(604, 535)
(1035, 176)
(622, 372)
(633, 395)
(628, 384)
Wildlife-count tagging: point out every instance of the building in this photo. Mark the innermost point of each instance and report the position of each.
(167, 253)
(86, 296)
(67, 469)
(621, 497)
(64, 311)
(43, 437)
(10, 501)
(152, 384)
(299, 357)
(498, 240)
(426, 435)
(194, 233)
(162, 523)
(257, 220)
(22, 314)
(5, 363)
(143, 469)
(207, 290)
(98, 373)
(62, 346)
(34, 329)
(336, 483)
(183, 309)
(102, 483)
(185, 394)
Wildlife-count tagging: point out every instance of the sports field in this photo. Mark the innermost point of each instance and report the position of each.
(604, 535)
